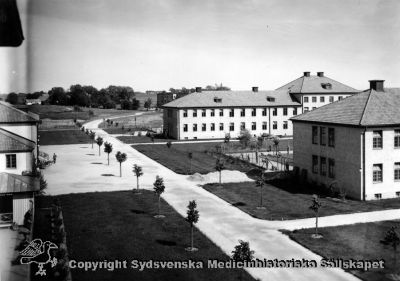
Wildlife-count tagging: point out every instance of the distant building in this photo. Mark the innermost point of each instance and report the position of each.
(353, 144)
(166, 97)
(33, 101)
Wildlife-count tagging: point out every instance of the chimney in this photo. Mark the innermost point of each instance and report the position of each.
(307, 74)
(254, 89)
(198, 89)
(320, 74)
(376, 85)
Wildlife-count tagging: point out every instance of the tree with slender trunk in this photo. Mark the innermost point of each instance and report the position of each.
(190, 156)
(242, 253)
(192, 218)
(92, 136)
(260, 183)
(108, 149)
(137, 170)
(121, 157)
(276, 144)
(315, 206)
(219, 166)
(159, 188)
(99, 142)
(392, 239)
(169, 144)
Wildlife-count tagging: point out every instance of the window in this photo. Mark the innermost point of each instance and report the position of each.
(231, 127)
(340, 97)
(396, 138)
(331, 99)
(231, 113)
(306, 109)
(264, 125)
(185, 127)
(377, 173)
(378, 196)
(253, 112)
(331, 137)
(221, 112)
(397, 194)
(194, 127)
(243, 112)
(194, 113)
(242, 126)
(285, 111)
(285, 125)
(314, 134)
(203, 113)
(314, 108)
(305, 99)
(212, 126)
(212, 112)
(275, 125)
(315, 164)
(274, 111)
(323, 166)
(264, 112)
(322, 135)
(11, 161)
(397, 171)
(185, 113)
(377, 139)
(253, 126)
(331, 168)
(321, 99)
(295, 111)
(314, 99)
(203, 127)
(221, 126)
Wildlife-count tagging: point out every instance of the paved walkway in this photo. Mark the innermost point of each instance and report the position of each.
(221, 222)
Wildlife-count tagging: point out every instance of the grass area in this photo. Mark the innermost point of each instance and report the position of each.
(55, 137)
(176, 158)
(358, 241)
(149, 119)
(290, 204)
(120, 225)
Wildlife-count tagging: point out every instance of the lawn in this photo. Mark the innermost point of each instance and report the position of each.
(176, 158)
(281, 204)
(70, 136)
(150, 119)
(358, 241)
(120, 225)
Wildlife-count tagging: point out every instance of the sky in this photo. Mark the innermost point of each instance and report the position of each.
(159, 44)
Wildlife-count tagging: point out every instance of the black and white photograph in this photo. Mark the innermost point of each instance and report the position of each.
(199, 140)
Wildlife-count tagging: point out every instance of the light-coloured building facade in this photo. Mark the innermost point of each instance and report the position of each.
(352, 145)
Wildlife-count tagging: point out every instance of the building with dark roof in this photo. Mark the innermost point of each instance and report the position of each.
(352, 145)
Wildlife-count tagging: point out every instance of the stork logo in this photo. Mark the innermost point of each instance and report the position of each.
(39, 252)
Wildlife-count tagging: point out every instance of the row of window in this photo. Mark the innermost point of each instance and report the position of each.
(377, 139)
(253, 127)
(377, 172)
(321, 99)
(319, 136)
(322, 165)
(231, 113)
(11, 161)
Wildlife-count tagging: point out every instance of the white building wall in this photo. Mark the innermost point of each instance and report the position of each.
(24, 163)
(386, 156)
(310, 104)
(21, 204)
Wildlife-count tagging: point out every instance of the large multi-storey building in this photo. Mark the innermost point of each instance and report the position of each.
(213, 114)
(353, 144)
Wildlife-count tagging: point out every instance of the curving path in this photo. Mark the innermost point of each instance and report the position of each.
(221, 222)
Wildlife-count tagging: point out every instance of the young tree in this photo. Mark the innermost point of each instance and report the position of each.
(147, 104)
(260, 183)
(190, 156)
(192, 218)
(137, 170)
(219, 166)
(159, 188)
(227, 138)
(276, 144)
(99, 142)
(92, 136)
(169, 144)
(242, 253)
(108, 149)
(121, 157)
(42, 185)
(392, 239)
(315, 206)
(244, 137)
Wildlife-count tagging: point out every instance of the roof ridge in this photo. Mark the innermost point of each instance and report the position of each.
(277, 89)
(302, 83)
(343, 84)
(365, 108)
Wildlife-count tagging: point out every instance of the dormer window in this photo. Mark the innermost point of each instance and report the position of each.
(326, 86)
(271, 99)
(217, 99)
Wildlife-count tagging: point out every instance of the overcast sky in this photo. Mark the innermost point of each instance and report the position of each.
(158, 44)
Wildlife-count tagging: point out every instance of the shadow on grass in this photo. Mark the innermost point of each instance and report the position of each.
(108, 175)
(96, 163)
(166, 242)
(90, 154)
(84, 147)
(139, 212)
(238, 204)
